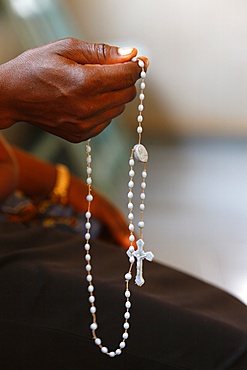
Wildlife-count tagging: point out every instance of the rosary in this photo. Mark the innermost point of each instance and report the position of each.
(140, 154)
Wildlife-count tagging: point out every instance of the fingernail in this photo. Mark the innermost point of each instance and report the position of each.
(125, 51)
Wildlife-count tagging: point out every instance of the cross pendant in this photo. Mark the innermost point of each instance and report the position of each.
(140, 255)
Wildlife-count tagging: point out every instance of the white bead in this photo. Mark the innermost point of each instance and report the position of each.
(88, 268)
(131, 162)
(139, 130)
(142, 85)
(122, 344)
(91, 299)
(89, 278)
(127, 304)
(144, 174)
(131, 184)
(141, 63)
(130, 195)
(128, 276)
(131, 238)
(142, 207)
(118, 351)
(125, 335)
(89, 159)
(93, 326)
(88, 148)
(143, 196)
(88, 225)
(88, 214)
(131, 173)
(141, 96)
(89, 181)
(134, 59)
(143, 74)
(127, 316)
(131, 259)
(87, 236)
(90, 288)
(89, 170)
(130, 205)
(143, 185)
(89, 197)
(126, 325)
(127, 293)
(87, 246)
(112, 354)
(131, 227)
(140, 107)
(97, 341)
(104, 349)
(93, 310)
(141, 224)
(130, 216)
(139, 118)
(87, 257)
(131, 249)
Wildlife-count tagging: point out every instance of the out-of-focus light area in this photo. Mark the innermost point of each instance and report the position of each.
(195, 120)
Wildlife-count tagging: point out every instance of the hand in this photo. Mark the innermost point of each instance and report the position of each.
(69, 88)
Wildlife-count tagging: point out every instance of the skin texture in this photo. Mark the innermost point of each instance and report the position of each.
(70, 88)
(36, 178)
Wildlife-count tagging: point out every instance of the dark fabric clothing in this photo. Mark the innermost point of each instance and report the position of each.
(177, 321)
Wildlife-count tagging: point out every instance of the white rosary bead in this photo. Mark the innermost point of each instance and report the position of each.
(93, 326)
(126, 325)
(88, 214)
(127, 304)
(125, 335)
(87, 225)
(89, 197)
(140, 118)
(89, 159)
(89, 278)
(131, 184)
(127, 293)
(140, 107)
(87, 247)
(87, 257)
(141, 224)
(131, 162)
(90, 288)
(130, 195)
(143, 185)
(143, 74)
(118, 352)
(97, 341)
(130, 205)
(104, 349)
(122, 345)
(131, 173)
(126, 316)
(89, 170)
(131, 216)
(139, 130)
(142, 196)
(91, 299)
(89, 180)
(93, 310)
(131, 259)
(131, 227)
(142, 85)
(141, 63)
(131, 238)
(142, 206)
(128, 276)
(88, 267)
(87, 236)
(112, 354)
(141, 96)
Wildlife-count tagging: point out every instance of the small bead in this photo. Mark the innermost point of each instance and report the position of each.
(88, 225)
(125, 335)
(127, 304)
(89, 278)
(142, 85)
(134, 59)
(143, 74)
(131, 184)
(130, 195)
(88, 267)
(139, 129)
(142, 207)
(112, 354)
(88, 148)
(93, 310)
(144, 174)
(89, 197)
(90, 288)
(104, 349)
(143, 185)
(131, 162)
(131, 173)
(122, 344)
(93, 326)
(89, 181)
(126, 325)
(131, 249)
(87, 257)
(141, 96)
(126, 316)
(141, 63)
(87, 236)
(89, 159)
(131, 238)
(131, 227)
(143, 196)
(97, 341)
(128, 276)
(91, 299)
(130, 205)
(140, 107)
(141, 224)
(118, 352)
(87, 246)
(89, 170)
(88, 214)
(130, 216)
(127, 293)
(131, 259)
(140, 118)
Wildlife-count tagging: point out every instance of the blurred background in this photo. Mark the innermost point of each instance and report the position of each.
(195, 120)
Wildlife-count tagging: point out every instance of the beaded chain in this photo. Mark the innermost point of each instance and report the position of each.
(140, 154)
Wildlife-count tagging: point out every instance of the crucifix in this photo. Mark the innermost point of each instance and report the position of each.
(140, 255)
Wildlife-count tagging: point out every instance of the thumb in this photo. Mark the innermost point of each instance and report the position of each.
(92, 53)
